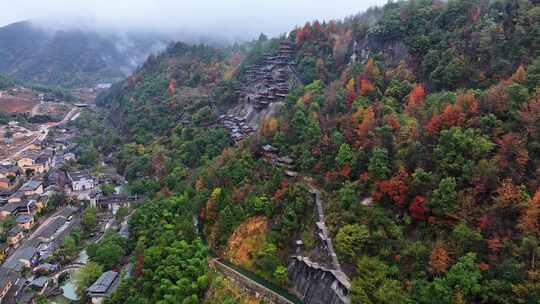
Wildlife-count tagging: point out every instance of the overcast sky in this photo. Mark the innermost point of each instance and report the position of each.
(201, 16)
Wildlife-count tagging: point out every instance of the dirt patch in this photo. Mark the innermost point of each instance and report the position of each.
(51, 108)
(247, 239)
(12, 104)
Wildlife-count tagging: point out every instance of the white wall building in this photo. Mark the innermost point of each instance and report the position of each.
(81, 180)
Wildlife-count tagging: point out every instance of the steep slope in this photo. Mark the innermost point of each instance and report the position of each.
(34, 54)
(418, 122)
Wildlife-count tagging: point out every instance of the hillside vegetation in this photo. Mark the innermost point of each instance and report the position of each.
(430, 109)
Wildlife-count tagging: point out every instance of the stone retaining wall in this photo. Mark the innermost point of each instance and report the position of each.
(251, 286)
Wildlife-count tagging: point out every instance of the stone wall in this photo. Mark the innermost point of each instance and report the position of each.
(250, 286)
(316, 284)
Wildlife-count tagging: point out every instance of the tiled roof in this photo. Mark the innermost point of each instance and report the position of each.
(31, 185)
(103, 283)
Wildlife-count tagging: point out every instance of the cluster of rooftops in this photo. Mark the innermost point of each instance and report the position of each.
(237, 127)
(271, 155)
(268, 82)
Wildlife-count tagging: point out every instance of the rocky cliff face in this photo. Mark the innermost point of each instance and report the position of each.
(316, 284)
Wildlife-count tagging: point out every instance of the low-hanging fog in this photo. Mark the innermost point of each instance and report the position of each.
(228, 19)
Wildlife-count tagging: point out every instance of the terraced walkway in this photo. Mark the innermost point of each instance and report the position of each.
(324, 229)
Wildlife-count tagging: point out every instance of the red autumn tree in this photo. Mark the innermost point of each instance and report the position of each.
(303, 33)
(345, 170)
(450, 117)
(392, 121)
(395, 188)
(512, 155)
(529, 114)
(495, 245)
(417, 209)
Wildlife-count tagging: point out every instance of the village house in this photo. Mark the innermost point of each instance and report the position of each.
(40, 201)
(27, 162)
(26, 206)
(43, 162)
(69, 157)
(46, 268)
(14, 236)
(25, 221)
(36, 162)
(32, 187)
(39, 284)
(9, 170)
(81, 180)
(103, 287)
(15, 197)
(5, 183)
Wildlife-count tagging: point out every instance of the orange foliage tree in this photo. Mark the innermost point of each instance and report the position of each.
(453, 114)
(269, 127)
(520, 75)
(366, 116)
(366, 86)
(350, 90)
(372, 71)
(439, 260)
(415, 102)
(530, 218)
(495, 100)
(508, 195)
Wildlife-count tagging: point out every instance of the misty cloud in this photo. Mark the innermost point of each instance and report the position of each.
(229, 18)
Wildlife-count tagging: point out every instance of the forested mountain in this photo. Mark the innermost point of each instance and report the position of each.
(418, 121)
(5, 82)
(39, 55)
